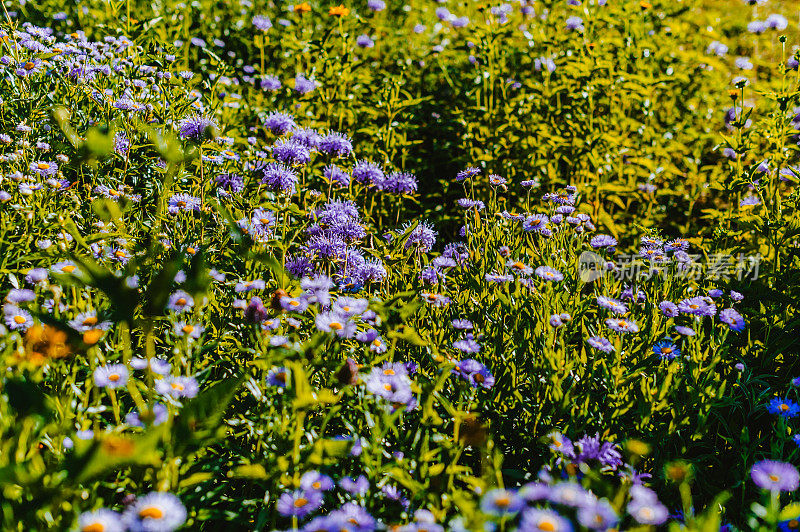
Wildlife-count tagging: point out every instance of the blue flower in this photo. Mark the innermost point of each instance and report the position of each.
(666, 349)
(783, 407)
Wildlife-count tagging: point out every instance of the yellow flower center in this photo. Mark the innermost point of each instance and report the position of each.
(336, 326)
(90, 320)
(503, 501)
(114, 377)
(30, 65)
(69, 268)
(151, 512)
(547, 526)
(187, 329)
(19, 319)
(181, 301)
(299, 503)
(93, 527)
(42, 166)
(181, 203)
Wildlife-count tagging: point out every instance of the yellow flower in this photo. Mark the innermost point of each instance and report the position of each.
(339, 11)
(302, 8)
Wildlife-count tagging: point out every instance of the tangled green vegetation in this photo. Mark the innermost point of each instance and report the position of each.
(410, 266)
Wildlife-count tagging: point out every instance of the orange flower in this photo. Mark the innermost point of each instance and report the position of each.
(118, 447)
(645, 5)
(302, 8)
(92, 336)
(42, 343)
(339, 11)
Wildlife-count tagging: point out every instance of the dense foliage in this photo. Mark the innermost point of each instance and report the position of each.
(383, 265)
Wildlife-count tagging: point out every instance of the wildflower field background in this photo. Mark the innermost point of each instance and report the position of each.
(412, 266)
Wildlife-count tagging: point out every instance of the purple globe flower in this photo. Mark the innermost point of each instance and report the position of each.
(335, 143)
(279, 123)
(197, 127)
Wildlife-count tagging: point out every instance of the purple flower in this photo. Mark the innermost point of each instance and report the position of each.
(178, 386)
(538, 519)
(367, 172)
(333, 322)
(111, 376)
(316, 481)
(698, 306)
(594, 449)
(468, 173)
(364, 41)
(279, 123)
(648, 512)
(299, 503)
(421, 237)
(161, 511)
(335, 143)
(44, 168)
(278, 377)
(102, 519)
(475, 373)
(574, 23)
(359, 486)
(549, 274)
(775, 476)
(391, 382)
(289, 152)
(270, 83)
(668, 308)
(399, 183)
(180, 301)
(733, 319)
(262, 23)
(602, 241)
(501, 502)
(197, 127)
(336, 176)
(599, 515)
(615, 306)
(304, 85)
(622, 325)
(278, 176)
(601, 344)
(467, 344)
(183, 202)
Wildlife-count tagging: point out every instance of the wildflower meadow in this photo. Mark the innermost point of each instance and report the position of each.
(408, 265)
